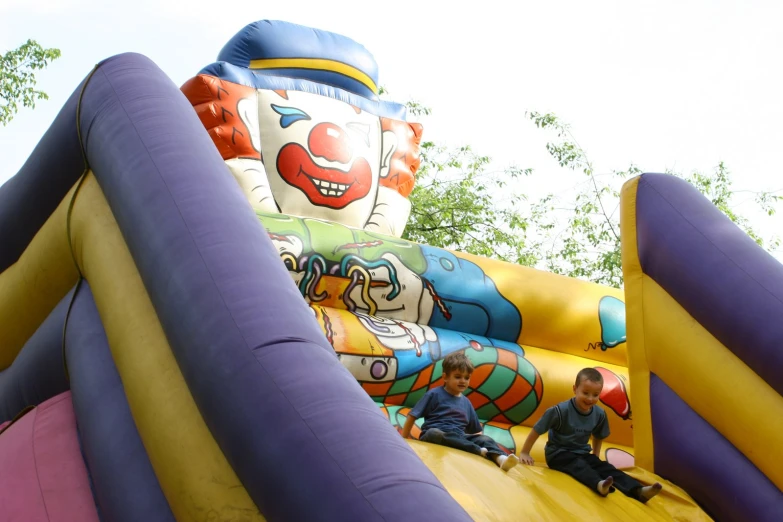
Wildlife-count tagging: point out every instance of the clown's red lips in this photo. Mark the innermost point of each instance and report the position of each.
(323, 186)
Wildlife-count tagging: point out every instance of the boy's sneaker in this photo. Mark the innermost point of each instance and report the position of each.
(509, 462)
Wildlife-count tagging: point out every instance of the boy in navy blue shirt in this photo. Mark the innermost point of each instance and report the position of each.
(449, 417)
(570, 425)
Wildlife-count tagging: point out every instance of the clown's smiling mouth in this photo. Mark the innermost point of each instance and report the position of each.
(326, 188)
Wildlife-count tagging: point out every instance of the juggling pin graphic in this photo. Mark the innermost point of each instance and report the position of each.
(615, 394)
(611, 315)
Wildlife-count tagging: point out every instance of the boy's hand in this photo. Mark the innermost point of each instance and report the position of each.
(406, 429)
(526, 458)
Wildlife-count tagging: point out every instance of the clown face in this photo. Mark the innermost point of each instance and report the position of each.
(310, 155)
(322, 156)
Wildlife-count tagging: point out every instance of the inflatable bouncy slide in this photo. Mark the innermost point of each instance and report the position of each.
(207, 313)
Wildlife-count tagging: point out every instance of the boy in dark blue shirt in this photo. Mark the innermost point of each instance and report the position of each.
(570, 425)
(449, 417)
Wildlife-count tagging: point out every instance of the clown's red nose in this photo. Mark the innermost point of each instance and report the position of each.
(330, 142)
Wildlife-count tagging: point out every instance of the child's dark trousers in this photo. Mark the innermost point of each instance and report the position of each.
(590, 470)
(463, 441)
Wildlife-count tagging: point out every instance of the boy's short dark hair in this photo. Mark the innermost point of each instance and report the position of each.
(457, 361)
(588, 374)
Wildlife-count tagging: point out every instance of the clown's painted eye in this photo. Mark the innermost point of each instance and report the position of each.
(289, 115)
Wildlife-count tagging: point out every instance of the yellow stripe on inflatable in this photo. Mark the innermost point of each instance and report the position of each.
(32, 287)
(707, 375)
(541, 494)
(638, 370)
(198, 482)
(317, 64)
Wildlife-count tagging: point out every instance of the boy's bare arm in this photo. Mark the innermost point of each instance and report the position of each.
(406, 429)
(597, 446)
(524, 454)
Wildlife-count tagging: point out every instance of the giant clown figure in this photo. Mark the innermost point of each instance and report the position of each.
(306, 135)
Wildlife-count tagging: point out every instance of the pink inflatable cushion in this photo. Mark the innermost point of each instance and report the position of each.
(42, 473)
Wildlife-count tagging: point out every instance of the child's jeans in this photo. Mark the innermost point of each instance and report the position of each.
(463, 441)
(590, 470)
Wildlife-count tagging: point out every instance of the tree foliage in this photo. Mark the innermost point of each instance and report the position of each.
(460, 204)
(454, 206)
(17, 77)
(580, 236)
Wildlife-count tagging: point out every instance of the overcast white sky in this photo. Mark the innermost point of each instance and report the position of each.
(679, 84)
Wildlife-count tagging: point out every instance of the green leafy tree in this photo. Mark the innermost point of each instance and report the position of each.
(580, 236)
(17, 77)
(455, 205)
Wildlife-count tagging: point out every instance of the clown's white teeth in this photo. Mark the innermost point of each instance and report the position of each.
(330, 189)
(334, 193)
(327, 185)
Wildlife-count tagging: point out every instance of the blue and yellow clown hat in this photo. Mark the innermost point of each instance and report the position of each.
(281, 48)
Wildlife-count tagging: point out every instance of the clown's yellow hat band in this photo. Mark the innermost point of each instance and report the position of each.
(318, 64)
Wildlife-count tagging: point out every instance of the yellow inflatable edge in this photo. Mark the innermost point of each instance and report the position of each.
(32, 287)
(194, 475)
(638, 369)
